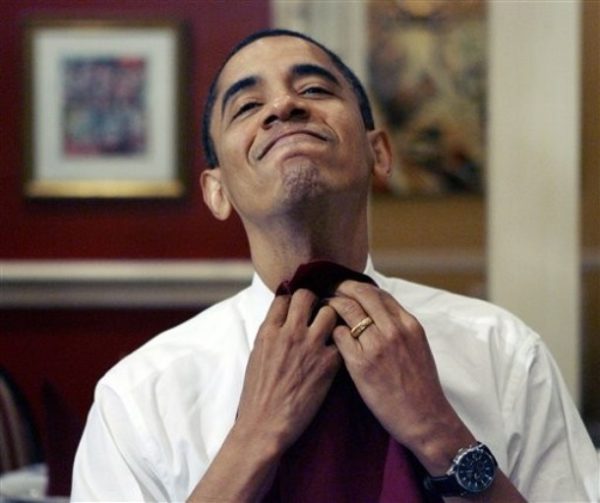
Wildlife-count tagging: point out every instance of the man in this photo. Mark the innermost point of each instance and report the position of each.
(210, 410)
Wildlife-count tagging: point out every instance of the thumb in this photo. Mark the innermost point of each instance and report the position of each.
(346, 344)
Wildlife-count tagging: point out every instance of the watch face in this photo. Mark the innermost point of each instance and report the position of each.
(475, 471)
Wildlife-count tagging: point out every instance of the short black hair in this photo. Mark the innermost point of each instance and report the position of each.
(358, 89)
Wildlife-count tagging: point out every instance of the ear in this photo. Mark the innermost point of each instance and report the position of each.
(382, 153)
(214, 193)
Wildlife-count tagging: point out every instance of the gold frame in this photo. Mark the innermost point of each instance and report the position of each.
(158, 173)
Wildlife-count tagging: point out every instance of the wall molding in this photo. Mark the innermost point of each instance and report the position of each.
(120, 284)
(185, 283)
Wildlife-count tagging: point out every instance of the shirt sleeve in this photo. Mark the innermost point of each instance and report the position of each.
(112, 461)
(551, 456)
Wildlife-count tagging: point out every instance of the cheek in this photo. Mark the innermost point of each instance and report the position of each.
(357, 145)
(234, 145)
(230, 151)
(350, 128)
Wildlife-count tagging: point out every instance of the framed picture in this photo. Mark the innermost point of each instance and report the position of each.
(104, 109)
(427, 78)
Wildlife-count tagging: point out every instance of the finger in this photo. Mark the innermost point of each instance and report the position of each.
(301, 307)
(384, 309)
(277, 313)
(358, 325)
(333, 358)
(368, 296)
(324, 322)
(346, 344)
(348, 309)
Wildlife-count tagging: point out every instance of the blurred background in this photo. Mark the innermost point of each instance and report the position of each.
(88, 277)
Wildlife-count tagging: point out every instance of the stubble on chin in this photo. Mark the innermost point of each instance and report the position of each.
(301, 180)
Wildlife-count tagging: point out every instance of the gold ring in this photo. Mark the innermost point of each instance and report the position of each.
(361, 326)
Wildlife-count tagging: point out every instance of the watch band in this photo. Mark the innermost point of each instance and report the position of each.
(444, 486)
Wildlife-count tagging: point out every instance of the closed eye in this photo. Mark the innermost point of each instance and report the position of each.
(245, 108)
(312, 90)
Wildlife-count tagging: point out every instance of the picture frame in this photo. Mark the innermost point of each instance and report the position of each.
(104, 107)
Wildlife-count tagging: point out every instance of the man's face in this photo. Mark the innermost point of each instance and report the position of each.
(287, 129)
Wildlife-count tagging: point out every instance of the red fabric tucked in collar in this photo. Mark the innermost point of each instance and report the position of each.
(344, 455)
(321, 277)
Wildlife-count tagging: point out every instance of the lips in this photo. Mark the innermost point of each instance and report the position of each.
(271, 142)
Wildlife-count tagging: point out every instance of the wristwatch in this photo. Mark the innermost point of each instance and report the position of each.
(472, 471)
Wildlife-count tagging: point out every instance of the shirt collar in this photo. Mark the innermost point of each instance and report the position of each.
(260, 298)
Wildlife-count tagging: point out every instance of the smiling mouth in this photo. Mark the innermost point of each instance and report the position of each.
(286, 138)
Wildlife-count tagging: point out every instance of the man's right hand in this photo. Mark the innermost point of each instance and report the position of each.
(290, 370)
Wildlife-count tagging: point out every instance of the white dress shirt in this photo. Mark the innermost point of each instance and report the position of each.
(161, 414)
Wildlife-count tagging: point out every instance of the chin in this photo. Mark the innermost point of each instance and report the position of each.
(301, 179)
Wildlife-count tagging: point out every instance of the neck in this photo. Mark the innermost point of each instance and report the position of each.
(278, 248)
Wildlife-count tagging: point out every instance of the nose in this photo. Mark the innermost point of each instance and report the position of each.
(285, 108)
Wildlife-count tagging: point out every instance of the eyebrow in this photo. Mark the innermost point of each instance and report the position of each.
(308, 69)
(235, 88)
(300, 70)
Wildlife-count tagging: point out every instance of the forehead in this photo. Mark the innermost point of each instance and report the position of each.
(272, 54)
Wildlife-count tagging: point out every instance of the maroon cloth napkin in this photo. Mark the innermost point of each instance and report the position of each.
(344, 455)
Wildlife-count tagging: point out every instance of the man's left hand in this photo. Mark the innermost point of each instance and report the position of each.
(394, 371)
